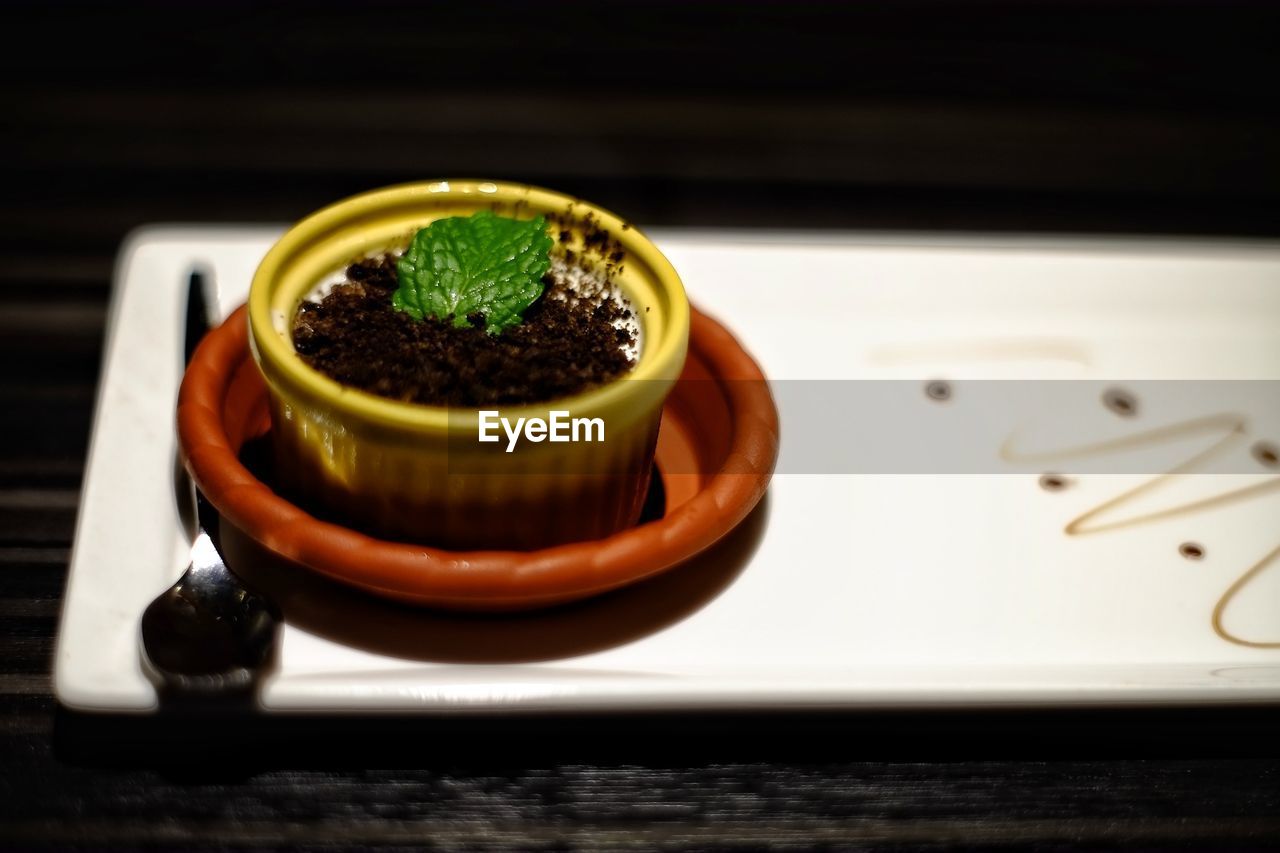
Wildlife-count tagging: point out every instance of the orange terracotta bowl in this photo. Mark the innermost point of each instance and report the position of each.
(717, 446)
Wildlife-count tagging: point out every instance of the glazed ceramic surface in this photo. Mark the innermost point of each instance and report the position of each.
(715, 451)
(419, 473)
(840, 590)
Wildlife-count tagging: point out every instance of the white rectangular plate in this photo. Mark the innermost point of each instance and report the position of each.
(861, 591)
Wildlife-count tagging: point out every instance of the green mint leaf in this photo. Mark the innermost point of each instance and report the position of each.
(467, 264)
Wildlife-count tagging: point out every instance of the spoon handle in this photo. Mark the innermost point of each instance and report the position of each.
(207, 636)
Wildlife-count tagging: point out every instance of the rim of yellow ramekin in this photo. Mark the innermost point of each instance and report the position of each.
(665, 328)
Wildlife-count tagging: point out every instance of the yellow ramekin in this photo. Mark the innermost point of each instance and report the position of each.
(419, 473)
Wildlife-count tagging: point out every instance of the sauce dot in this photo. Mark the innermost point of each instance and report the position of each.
(1191, 550)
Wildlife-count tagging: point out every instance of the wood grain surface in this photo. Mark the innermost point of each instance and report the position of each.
(1080, 117)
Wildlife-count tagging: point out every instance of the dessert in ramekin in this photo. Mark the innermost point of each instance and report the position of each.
(421, 473)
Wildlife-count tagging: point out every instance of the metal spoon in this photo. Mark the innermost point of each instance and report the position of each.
(208, 634)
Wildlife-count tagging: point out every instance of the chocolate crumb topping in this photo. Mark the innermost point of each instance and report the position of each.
(571, 339)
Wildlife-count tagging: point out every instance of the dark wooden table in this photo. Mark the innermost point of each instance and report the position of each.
(1096, 117)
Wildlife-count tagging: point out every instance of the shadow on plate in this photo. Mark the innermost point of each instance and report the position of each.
(356, 619)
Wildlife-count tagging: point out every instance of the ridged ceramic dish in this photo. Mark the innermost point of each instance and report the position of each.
(418, 472)
(716, 451)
